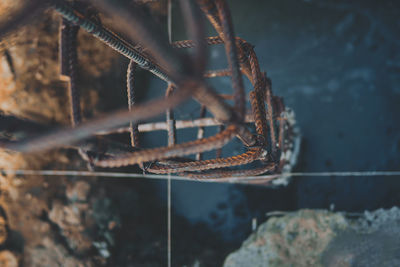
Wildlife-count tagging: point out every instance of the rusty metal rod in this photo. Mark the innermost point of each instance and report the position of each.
(245, 158)
(73, 90)
(183, 149)
(174, 63)
(130, 86)
(171, 125)
(270, 116)
(180, 124)
(231, 53)
(107, 37)
(210, 9)
(220, 174)
(217, 73)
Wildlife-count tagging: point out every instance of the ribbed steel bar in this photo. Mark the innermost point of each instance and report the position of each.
(217, 73)
(210, 9)
(231, 53)
(257, 106)
(147, 34)
(176, 65)
(63, 47)
(257, 97)
(269, 167)
(73, 90)
(171, 128)
(214, 40)
(108, 37)
(245, 158)
(183, 149)
(270, 115)
(130, 86)
(242, 46)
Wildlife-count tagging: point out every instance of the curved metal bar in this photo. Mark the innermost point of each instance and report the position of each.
(231, 53)
(230, 173)
(171, 125)
(183, 149)
(245, 158)
(130, 86)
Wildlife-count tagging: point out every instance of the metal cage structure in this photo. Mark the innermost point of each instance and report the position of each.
(267, 131)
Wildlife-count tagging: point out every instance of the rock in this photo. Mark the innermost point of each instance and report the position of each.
(3, 229)
(372, 240)
(8, 259)
(32, 89)
(72, 224)
(52, 254)
(322, 238)
(296, 238)
(78, 191)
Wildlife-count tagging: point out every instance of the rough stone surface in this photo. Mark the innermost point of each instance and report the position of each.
(3, 229)
(372, 240)
(70, 220)
(78, 191)
(8, 259)
(50, 220)
(322, 238)
(53, 254)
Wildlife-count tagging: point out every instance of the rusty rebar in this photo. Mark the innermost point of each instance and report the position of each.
(108, 37)
(270, 116)
(188, 148)
(245, 158)
(230, 173)
(133, 127)
(231, 53)
(170, 119)
(73, 90)
(175, 64)
(217, 73)
(209, 8)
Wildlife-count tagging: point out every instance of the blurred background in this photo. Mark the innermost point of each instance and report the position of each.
(336, 63)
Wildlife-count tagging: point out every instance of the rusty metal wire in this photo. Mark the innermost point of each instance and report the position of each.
(185, 76)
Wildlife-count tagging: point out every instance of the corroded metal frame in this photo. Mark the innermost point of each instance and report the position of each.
(186, 77)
